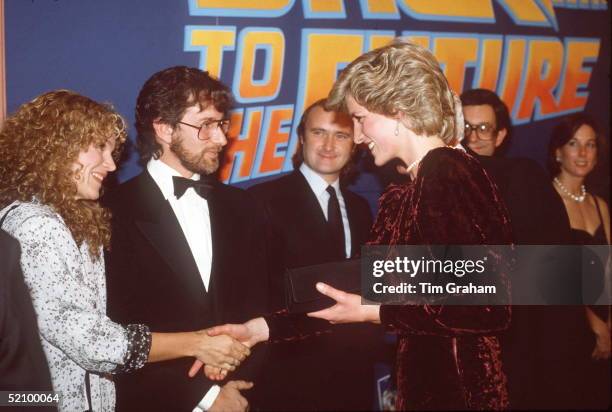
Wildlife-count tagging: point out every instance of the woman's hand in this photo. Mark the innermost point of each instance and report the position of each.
(602, 345)
(221, 351)
(602, 332)
(247, 334)
(348, 307)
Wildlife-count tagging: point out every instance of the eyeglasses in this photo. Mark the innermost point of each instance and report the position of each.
(484, 131)
(209, 126)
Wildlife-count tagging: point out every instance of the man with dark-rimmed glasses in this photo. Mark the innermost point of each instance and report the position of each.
(487, 123)
(185, 250)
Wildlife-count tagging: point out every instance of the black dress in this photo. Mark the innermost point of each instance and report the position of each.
(593, 376)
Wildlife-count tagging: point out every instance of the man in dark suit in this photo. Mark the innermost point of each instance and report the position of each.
(23, 366)
(316, 219)
(538, 217)
(186, 252)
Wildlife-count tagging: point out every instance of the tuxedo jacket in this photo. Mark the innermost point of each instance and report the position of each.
(153, 279)
(329, 372)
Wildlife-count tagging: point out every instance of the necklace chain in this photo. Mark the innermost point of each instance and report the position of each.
(576, 198)
(413, 164)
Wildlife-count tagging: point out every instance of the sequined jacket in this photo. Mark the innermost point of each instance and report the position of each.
(68, 290)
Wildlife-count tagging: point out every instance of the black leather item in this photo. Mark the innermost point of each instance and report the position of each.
(334, 221)
(302, 295)
(203, 187)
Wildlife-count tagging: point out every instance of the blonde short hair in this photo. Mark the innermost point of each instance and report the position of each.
(405, 79)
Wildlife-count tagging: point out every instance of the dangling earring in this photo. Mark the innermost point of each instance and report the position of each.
(397, 129)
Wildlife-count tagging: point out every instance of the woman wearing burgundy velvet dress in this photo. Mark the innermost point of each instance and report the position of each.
(448, 356)
(572, 155)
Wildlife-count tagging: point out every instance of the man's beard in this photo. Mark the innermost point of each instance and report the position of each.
(200, 163)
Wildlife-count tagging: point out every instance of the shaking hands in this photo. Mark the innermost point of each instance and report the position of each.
(221, 352)
(242, 337)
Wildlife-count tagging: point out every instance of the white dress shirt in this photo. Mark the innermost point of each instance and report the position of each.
(319, 188)
(192, 213)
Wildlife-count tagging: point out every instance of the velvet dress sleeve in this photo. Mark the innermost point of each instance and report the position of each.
(453, 202)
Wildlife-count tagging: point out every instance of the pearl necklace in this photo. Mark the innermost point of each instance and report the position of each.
(413, 164)
(576, 198)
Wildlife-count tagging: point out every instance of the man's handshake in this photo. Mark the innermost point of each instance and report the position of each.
(220, 351)
(232, 343)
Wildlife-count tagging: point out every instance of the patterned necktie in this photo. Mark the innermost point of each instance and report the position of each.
(203, 187)
(334, 221)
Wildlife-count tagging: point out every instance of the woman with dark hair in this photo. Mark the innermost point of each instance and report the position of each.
(448, 357)
(55, 153)
(574, 151)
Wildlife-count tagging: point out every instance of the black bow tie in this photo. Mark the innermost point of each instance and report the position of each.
(203, 187)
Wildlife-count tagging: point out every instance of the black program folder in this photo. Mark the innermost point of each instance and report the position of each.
(301, 293)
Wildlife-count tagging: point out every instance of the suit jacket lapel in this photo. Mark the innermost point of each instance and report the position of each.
(309, 208)
(160, 226)
(222, 226)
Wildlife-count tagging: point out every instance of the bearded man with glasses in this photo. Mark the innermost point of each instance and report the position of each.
(186, 250)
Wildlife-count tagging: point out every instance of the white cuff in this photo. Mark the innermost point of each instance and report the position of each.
(208, 399)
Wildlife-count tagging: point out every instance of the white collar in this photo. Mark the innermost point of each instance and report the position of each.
(162, 175)
(316, 182)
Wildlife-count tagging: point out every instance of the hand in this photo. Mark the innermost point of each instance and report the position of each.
(211, 372)
(602, 346)
(348, 307)
(230, 399)
(249, 333)
(222, 352)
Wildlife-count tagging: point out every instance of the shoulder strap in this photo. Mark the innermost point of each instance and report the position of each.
(6, 214)
(596, 205)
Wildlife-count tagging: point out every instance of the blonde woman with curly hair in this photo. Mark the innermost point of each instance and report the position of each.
(55, 153)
